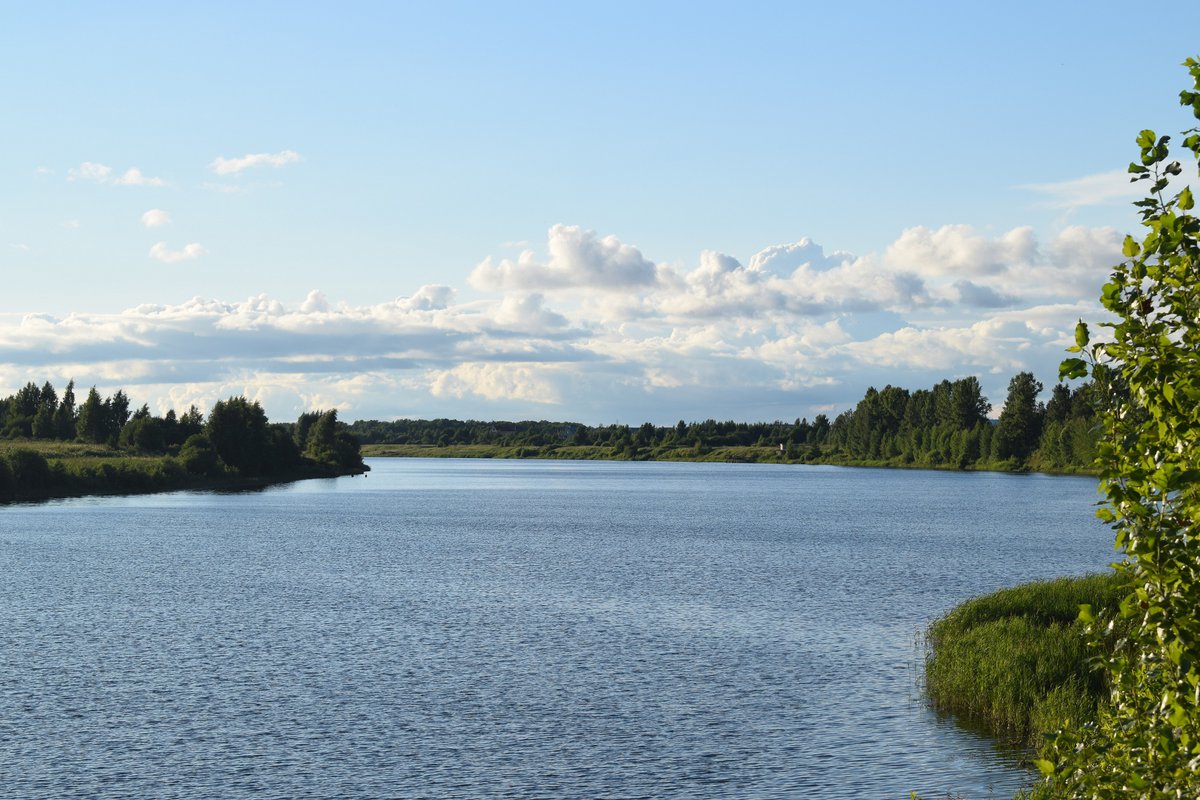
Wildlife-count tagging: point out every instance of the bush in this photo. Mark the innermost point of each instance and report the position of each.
(198, 456)
(31, 471)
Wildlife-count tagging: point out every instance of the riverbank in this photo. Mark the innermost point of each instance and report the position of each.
(32, 470)
(740, 454)
(1015, 661)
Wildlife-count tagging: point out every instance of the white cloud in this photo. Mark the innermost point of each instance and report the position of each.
(134, 177)
(233, 166)
(70, 224)
(161, 252)
(496, 382)
(1102, 188)
(102, 173)
(428, 298)
(24, 248)
(599, 329)
(315, 303)
(156, 218)
(527, 314)
(579, 259)
(90, 171)
(957, 250)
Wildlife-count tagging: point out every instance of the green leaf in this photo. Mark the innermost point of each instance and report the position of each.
(1081, 333)
(1085, 614)
(1185, 199)
(1046, 767)
(1131, 248)
(1072, 368)
(1145, 139)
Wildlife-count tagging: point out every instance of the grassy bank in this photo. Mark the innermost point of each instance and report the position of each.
(41, 470)
(1015, 661)
(741, 454)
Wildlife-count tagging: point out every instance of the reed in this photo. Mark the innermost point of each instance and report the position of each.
(1016, 661)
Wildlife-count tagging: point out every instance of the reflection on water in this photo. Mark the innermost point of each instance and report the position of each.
(514, 629)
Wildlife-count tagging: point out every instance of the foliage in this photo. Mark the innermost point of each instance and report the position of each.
(237, 429)
(1020, 425)
(1146, 742)
(198, 456)
(945, 426)
(74, 451)
(1016, 661)
(30, 470)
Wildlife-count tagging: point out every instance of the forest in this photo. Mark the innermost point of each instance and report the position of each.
(54, 446)
(945, 426)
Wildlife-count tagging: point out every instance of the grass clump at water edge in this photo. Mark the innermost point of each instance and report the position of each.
(1016, 662)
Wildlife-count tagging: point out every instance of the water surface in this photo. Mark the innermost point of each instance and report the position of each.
(514, 629)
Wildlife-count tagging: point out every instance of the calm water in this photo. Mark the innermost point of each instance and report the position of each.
(513, 629)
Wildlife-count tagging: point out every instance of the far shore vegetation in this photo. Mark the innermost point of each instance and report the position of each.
(53, 448)
(943, 427)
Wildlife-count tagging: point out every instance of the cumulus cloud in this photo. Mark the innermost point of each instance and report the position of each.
(958, 250)
(433, 297)
(233, 166)
(593, 325)
(156, 218)
(496, 382)
(102, 173)
(786, 258)
(161, 252)
(579, 259)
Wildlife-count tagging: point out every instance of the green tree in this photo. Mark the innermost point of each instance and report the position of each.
(968, 405)
(1146, 741)
(237, 429)
(1020, 424)
(91, 425)
(321, 441)
(198, 456)
(145, 433)
(22, 408)
(64, 416)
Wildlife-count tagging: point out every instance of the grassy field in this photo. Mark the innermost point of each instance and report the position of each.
(1015, 661)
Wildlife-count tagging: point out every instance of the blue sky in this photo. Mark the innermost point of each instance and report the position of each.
(610, 212)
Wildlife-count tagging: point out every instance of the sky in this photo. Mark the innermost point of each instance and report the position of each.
(606, 213)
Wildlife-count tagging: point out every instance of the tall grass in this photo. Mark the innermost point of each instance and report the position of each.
(1015, 661)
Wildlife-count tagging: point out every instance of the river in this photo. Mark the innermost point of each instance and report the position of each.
(531, 629)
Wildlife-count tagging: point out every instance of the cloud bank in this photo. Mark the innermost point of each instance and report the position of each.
(591, 328)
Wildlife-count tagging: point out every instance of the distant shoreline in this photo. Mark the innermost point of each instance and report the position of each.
(734, 454)
(35, 472)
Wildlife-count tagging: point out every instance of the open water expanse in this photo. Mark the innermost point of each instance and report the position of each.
(533, 629)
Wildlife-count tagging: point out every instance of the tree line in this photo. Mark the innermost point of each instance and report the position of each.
(236, 437)
(947, 425)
